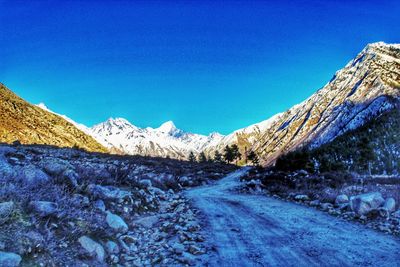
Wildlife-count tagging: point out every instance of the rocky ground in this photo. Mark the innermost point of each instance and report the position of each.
(66, 207)
(366, 200)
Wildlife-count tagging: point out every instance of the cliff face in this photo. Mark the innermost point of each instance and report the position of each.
(30, 124)
(366, 87)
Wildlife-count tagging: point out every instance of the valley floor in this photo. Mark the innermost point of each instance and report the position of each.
(255, 230)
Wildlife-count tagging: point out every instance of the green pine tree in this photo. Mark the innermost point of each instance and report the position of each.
(192, 158)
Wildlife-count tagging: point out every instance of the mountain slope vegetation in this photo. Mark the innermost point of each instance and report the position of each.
(373, 148)
(28, 124)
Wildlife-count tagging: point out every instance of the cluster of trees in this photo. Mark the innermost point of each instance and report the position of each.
(370, 149)
(231, 154)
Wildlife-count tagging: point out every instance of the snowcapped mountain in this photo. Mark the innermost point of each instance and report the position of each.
(164, 141)
(366, 87)
(122, 137)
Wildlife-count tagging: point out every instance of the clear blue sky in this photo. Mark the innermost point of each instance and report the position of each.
(208, 66)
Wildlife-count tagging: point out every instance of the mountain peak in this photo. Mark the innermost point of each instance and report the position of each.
(167, 127)
(383, 44)
(118, 121)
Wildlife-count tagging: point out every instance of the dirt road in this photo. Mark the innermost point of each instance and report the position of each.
(254, 230)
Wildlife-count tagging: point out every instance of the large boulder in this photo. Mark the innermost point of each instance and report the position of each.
(116, 223)
(6, 209)
(32, 176)
(54, 166)
(107, 192)
(6, 170)
(70, 177)
(92, 248)
(365, 203)
(43, 208)
(8, 259)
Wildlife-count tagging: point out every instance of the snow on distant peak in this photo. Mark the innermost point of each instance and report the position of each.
(167, 127)
(120, 122)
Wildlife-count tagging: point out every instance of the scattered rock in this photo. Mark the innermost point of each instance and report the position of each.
(54, 166)
(301, 198)
(6, 209)
(92, 248)
(32, 176)
(195, 250)
(71, 178)
(107, 193)
(43, 208)
(8, 259)
(148, 221)
(326, 206)
(390, 204)
(341, 199)
(315, 203)
(99, 204)
(363, 204)
(116, 223)
(112, 247)
(145, 183)
(178, 248)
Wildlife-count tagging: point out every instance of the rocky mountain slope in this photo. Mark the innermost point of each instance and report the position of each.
(372, 149)
(367, 86)
(29, 124)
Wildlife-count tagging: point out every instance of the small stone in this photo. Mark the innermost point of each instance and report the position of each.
(390, 204)
(112, 247)
(315, 203)
(6, 209)
(93, 248)
(195, 250)
(146, 183)
(8, 259)
(301, 198)
(116, 223)
(341, 199)
(43, 208)
(99, 204)
(326, 206)
(178, 248)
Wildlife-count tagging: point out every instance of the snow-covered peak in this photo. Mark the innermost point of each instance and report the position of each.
(168, 128)
(114, 126)
(120, 122)
(383, 44)
(215, 135)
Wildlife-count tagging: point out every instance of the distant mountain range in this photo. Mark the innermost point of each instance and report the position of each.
(366, 87)
(120, 136)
